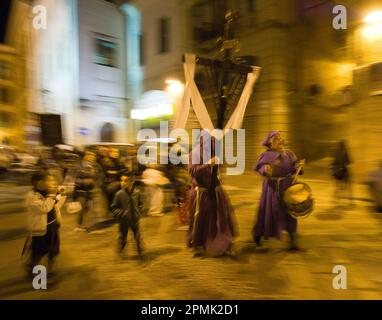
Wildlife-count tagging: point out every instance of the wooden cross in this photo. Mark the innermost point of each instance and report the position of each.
(226, 66)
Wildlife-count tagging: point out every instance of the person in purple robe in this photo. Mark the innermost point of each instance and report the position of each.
(211, 230)
(278, 167)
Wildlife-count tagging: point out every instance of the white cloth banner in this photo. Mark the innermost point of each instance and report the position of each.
(236, 119)
(192, 95)
(182, 114)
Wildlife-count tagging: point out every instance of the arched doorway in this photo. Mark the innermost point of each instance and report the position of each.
(107, 132)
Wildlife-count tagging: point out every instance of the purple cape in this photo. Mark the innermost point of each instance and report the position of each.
(272, 217)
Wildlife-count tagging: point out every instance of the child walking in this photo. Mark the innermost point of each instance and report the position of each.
(125, 209)
(44, 219)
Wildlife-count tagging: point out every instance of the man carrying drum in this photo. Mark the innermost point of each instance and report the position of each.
(278, 166)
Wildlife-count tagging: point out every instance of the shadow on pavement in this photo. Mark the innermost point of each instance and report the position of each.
(150, 255)
(12, 234)
(102, 225)
(23, 284)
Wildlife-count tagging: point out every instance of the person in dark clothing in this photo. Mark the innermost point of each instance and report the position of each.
(125, 209)
(44, 219)
(340, 171)
(85, 184)
(211, 220)
(111, 176)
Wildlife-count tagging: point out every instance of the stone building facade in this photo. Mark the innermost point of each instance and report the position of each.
(12, 96)
(318, 84)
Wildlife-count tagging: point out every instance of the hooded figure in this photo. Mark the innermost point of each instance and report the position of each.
(211, 220)
(277, 166)
(341, 173)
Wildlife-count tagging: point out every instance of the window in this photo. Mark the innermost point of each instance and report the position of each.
(105, 52)
(5, 96)
(5, 71)
(208, 20)
(164, 35)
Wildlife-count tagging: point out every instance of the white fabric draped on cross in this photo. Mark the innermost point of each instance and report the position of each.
(192, 95)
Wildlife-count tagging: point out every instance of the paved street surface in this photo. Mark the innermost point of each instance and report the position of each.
(90, 268)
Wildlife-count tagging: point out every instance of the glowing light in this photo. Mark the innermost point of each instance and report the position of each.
(345, 70)
(161, 140)
(373, 17)
(163, 109)
(174, 87)
(171, 81)
(373, 32)
(373, 28)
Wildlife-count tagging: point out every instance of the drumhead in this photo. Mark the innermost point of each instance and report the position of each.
(297, 193)
(298, 199)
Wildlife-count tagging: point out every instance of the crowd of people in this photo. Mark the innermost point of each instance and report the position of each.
(131, 190)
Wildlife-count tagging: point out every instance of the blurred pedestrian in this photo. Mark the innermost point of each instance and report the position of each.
(375, 184)
(44, 219)
(154, 179)
(211, 228)
(85, 185)
(111, 176)
(182, 184)
(341, 173)
(115, 156)
(125, 208)
(278, 166)
(5, 160)
(49, 163)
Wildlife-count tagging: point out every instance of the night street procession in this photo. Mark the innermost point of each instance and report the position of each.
(159, 151)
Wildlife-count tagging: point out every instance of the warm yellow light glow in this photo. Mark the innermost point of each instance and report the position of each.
(164, 109)
(373, 31)
(172, 81)
(373, 17)
(174, 87)
(345, 73)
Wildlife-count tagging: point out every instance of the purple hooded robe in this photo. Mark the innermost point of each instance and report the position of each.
(272, 216)
(211, 220)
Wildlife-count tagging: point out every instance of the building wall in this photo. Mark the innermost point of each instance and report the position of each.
(365, 114)
(347, 104)
(51, 58)
(158, 66)
(268, 34)
(12, 97)
(316, 85)
(102, 88)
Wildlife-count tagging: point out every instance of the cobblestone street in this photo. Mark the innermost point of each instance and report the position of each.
(89, 266)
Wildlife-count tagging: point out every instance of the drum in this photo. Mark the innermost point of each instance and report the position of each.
(298, 199)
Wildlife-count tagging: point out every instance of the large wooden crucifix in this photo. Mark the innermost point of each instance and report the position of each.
(225, 67)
